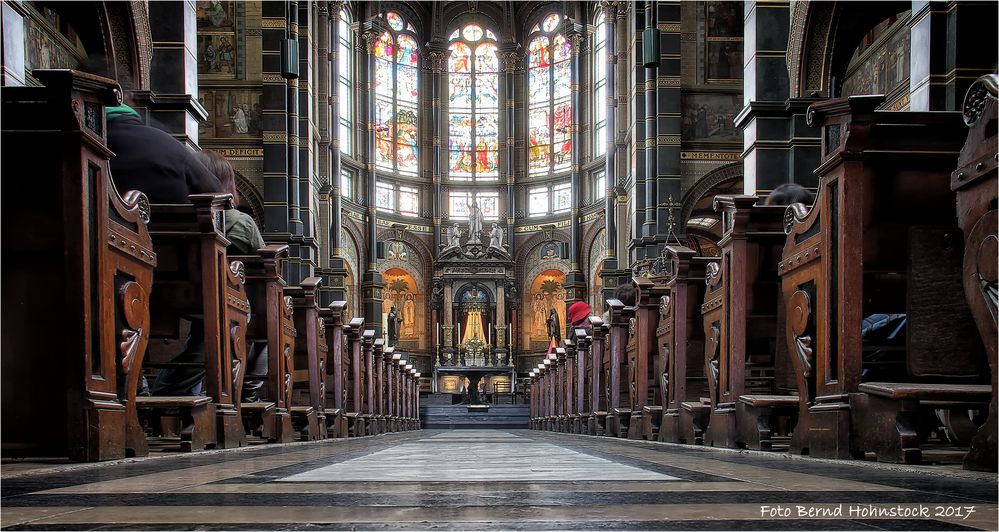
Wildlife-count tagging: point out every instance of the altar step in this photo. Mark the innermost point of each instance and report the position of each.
(438, 416)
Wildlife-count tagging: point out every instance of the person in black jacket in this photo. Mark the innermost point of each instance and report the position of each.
(153, 162)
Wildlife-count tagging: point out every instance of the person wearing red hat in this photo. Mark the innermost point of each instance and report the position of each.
(578, 313)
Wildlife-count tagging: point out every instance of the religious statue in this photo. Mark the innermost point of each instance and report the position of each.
(474, 220)
(393, 327)
(496, 237)
(554, 327)
(454, 237)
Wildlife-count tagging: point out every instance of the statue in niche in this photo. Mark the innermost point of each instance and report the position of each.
(496, 237)
(474, 220)
(554, 327)
(454, 238)
(393, 327)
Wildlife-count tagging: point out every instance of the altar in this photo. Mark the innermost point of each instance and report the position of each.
(449, 379)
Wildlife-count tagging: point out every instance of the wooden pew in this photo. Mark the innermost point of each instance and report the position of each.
(391, 362)
(368, 407)
(547, 384)
(69, 380)
(742, 356)
(308, 406)
(618, 402)
(337, 368)
(682, 341)
(378, 386)
(596, 423)
(580, 402)
(881, 238)
(273, 326)
(561, 392)
(975, 183)
(198, 282)
(643, 361)
(355, 392)
(416, 399)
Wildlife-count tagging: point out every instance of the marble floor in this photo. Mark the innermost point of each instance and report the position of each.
(492, 480)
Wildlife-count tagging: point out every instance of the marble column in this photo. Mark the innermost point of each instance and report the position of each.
(437, 57)
(608, 272)
(331, 259)
(275, 125)
(510, 61)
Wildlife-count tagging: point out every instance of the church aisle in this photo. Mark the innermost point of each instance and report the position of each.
(491, 479)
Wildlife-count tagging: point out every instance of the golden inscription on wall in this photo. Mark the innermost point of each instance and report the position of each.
(709, 156)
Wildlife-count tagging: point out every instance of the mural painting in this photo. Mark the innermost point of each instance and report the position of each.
(402, 292)
(231, 113)
(216, 16)
(723, 51)
(547, 292)
(881, 62)
(43, 49)
(217, 56)
(709, 117)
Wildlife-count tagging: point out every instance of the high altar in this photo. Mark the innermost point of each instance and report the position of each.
(474, 301)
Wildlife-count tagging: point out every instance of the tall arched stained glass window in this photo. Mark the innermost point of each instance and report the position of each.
(396, 97)
(345, 91)
(549, 98)
(473, 105)
(600, 87)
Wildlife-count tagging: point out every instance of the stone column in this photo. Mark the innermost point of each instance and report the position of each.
(372, 284)
(609, 272)
(294, 264)
(437, 57)
(510, 61)
(331, 259)
(274, 32)
(771, 118)
(575, 280)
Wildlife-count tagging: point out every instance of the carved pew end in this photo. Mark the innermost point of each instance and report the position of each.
(653, 416)
(693, 421)
(305, 422)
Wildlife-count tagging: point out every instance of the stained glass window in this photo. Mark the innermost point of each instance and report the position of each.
(600, 87)
(409, 201)
(384, 197)
(537, 201)
(397, 60)
(549, 120)
(473, 105)
(346, 184)
(345, 92)
(459, 201)
(561, 198)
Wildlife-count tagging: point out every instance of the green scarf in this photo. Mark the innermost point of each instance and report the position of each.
(121, 110)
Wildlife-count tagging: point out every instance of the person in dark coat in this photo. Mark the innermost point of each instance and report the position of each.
(153, 162)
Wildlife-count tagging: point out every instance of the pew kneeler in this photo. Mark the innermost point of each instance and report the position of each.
(757, 418)
(197, 419)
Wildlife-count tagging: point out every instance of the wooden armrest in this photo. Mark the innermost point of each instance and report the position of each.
(182, 401)
(652, 409)
(762, 401)
(694, 407)
(333, 411)
(302, 410)
(257, 407)
(929, 391)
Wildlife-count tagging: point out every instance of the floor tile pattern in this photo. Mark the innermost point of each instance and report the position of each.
(496, 480)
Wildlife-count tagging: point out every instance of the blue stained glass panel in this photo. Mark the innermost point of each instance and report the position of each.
(538, 85)
(563, 80)
(408, 51)
(486, 130)
(561, 48)
(485, 58)
(383, 78)
(460, 90)
(460, 131)
(406, 78)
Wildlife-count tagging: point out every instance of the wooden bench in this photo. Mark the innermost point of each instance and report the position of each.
(975, 182)
(581, 399)
(69, 380)
(742, 356)
(882, 237)
(197, 282)
(337, 370)
(368, 410)
(758, 417)
(308, 410)
(682, 341)
(272, 326)
(196, 415)
(693, 420)
(886, 414)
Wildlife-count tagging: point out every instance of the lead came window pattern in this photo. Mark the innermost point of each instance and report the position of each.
(473, 105)
(346, 89)
(600, 87)
(396, 98)
(550, 99)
